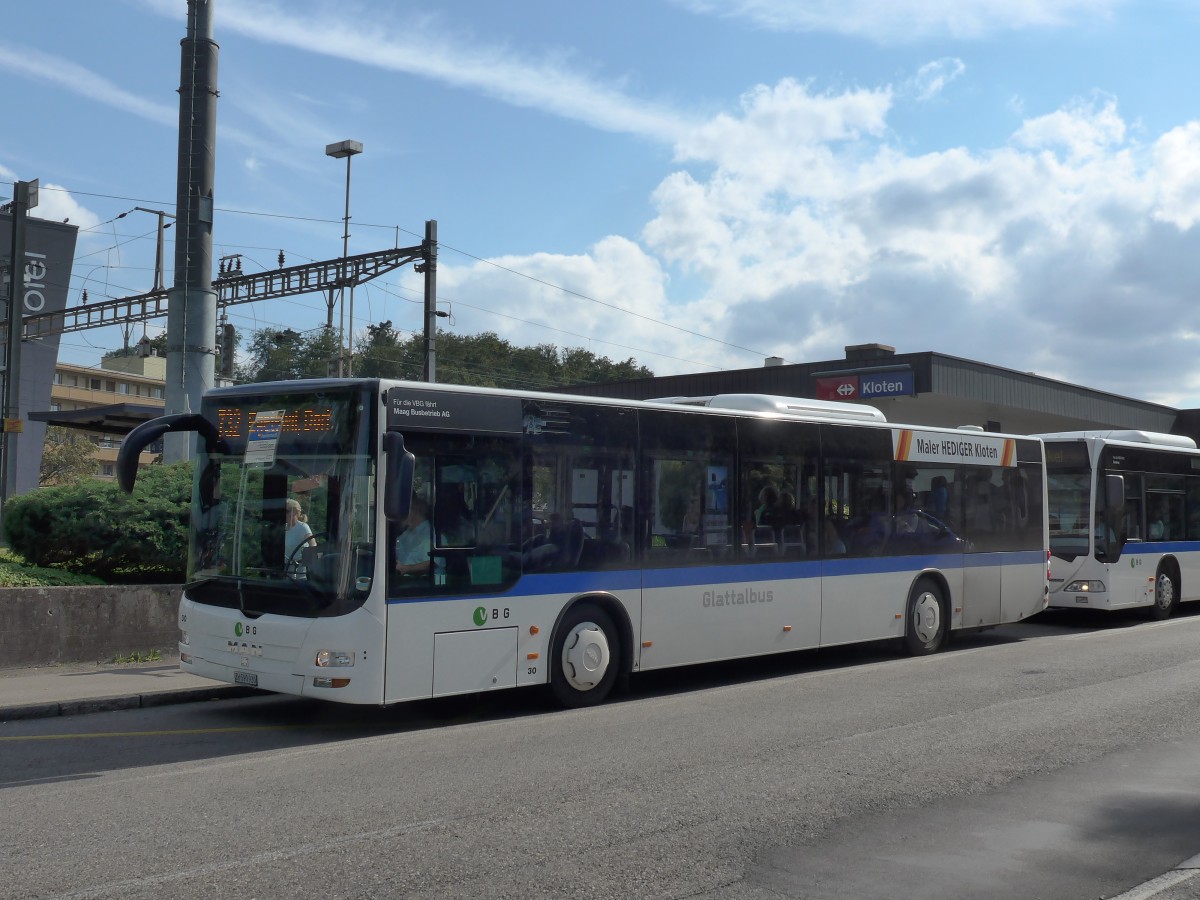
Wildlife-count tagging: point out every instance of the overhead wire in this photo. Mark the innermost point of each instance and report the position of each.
(443, 246)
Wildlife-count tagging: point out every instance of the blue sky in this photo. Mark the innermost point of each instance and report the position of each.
(1014, 181)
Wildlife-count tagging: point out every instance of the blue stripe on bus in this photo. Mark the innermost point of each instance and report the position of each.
(1157, 548)
(692, 576)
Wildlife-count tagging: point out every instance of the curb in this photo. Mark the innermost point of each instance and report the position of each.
(110, 704)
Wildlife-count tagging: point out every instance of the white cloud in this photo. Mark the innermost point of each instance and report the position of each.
(424, 46)
(55, 203)
(931, 79)
(1085, 130)
(907, 20)
(1055, 253)
(611, 299)
(62, 72)
(1177, 164)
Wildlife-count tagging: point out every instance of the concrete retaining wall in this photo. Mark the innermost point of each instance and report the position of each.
(44, 626)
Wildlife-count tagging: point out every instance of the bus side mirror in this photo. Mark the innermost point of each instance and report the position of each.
(148, 432)
(1114, 492)
(398, 477)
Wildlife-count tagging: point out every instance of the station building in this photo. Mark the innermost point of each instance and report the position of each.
(925, 388)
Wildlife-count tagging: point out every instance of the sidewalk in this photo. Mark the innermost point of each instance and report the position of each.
(74, 688)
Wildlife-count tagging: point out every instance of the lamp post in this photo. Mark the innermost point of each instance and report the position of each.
(345, 150)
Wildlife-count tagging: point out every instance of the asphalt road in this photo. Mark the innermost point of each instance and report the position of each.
(1053, 759)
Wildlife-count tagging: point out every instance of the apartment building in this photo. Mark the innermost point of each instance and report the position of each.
(105, 403)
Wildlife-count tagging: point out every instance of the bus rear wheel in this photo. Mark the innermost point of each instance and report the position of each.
(1166, 595)
(586, 657)
(927, 623)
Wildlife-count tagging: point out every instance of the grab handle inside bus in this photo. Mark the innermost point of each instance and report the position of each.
(148, 432)
(398, 478)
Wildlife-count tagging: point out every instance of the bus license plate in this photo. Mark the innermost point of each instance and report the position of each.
(249, 678)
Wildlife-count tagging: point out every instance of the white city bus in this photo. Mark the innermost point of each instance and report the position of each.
(1124, 517)
(573, 541)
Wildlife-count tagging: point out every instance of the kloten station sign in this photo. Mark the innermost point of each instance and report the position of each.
(865, 385)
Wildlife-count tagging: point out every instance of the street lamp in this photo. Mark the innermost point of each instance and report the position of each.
(345, 150)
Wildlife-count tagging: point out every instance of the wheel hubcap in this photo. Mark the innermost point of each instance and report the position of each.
(585, 656)
(1166, 591)
(927, 617)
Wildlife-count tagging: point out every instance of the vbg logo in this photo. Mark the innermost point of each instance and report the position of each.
(480, 616)
(237, 629)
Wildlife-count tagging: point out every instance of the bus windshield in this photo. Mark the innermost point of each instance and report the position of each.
(1070, 525)
(284, 506)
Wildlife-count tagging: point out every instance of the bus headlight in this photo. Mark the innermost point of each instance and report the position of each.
(334, 658)
(1084, 587)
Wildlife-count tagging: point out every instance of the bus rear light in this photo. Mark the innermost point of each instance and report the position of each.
(319, 681)
(1086, 587)
(185, 658)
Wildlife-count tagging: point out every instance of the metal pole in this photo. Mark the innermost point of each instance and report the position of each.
(339, 150)
(192, 304)
(12, 355)
(429, 249)
(345, 274)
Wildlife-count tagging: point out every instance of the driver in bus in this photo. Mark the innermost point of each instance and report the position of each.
(414, 542)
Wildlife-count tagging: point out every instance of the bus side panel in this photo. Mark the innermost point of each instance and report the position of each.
(1130, 582)
(710, 613)
(863, 599)
(1022, 585)
(431, 651)
(982, 584)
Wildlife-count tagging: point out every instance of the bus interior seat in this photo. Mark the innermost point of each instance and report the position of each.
(763, 541)
(791, 540)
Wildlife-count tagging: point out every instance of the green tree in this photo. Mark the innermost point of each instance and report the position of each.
(67, 456)
(485, 359)
(283, 354)
(95, 528)
(387, 353)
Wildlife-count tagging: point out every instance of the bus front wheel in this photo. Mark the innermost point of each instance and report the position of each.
(1166, 595)
(926, 627)
(586, 657)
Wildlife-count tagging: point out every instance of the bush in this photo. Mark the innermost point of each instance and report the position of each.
(95, 528)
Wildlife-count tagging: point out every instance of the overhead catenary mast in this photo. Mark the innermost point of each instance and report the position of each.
(192, 308)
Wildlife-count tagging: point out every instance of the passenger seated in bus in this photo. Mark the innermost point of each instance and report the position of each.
(1103, 532)
(769, 512)
(834, 545)
(868, 534)
(906, 517)
(414, 543)
(1157, 528)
